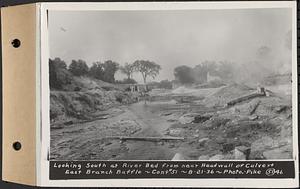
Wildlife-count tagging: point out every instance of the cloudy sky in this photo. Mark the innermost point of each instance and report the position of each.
(169, 38)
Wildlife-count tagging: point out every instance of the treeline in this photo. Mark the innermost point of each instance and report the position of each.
(60, 74)
(199, 74)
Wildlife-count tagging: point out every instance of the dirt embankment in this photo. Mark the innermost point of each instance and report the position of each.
(85, 101)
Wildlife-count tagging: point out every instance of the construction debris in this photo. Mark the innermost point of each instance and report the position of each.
(244, 98)
(242, 152)
(253, 107)
(202, 141)
(155, 139)
(175, 132)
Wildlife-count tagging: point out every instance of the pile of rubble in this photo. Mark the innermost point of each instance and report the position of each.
(248, 124)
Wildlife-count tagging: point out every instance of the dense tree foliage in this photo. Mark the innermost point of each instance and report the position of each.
(147, 69)
(184, 74)
(78, 68)
(104, 71)
(201, 71)
(96, 70)
(61, 74)
(110, 68)
(165, 84)
(58, 74)
(199, 74)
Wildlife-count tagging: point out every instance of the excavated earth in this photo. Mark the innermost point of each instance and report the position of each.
(85, 124)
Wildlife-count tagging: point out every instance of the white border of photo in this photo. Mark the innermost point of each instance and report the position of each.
(44, 145)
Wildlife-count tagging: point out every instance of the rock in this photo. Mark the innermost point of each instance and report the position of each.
(227, 147)
(229, 156)
(252, 118)
(196, 135)
(217, 157)
(197, 131)
(200, 119)
(263, 143)
(191, 141)
(187, 118)
(278, 153)
(220, 140)
(203, 157)
(281, 108)
(256, 155)
(194, 154)
(241, 152)
(202, 141)
(175, 132)
(178, 156)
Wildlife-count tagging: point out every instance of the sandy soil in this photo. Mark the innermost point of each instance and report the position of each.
(215, 135)
(91, 140)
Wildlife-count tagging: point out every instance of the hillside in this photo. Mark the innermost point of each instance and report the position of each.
(82, 99)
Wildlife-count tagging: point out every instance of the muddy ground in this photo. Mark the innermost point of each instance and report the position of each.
(210, 129)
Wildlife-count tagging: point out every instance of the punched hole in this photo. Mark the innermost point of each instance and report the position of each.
(16, 43)
(17, 146)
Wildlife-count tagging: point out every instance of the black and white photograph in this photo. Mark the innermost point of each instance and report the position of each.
(198, 84)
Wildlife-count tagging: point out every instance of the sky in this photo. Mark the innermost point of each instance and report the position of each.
(169, 38)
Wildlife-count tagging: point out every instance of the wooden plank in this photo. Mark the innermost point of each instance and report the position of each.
(244, 98)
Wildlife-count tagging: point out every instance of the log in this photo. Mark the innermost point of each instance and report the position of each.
(244, 98)
(145, 138)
